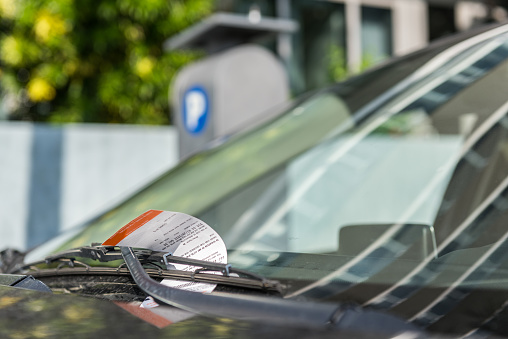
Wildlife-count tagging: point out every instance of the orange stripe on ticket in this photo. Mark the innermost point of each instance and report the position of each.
(131, 227)
(144, 314)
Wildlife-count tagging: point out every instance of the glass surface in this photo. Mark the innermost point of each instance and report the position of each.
(213, 178)
(394, 198)
(415, 194)
(393, 168)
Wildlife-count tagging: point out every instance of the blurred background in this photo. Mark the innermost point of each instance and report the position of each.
(91, 91)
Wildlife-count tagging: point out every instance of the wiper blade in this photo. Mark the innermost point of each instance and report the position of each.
(265, 309)
(69, 265)
(111, 253)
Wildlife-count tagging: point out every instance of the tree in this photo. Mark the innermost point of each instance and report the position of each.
(92, 60)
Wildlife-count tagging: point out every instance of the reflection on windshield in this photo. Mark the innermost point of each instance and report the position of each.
(412, 205)
(394, 169)
(197, 184)
(244, 167)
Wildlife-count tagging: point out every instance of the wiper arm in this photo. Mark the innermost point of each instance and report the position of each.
(94, 252)
(265, 309)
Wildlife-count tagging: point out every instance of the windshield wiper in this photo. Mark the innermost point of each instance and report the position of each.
(265, 309)
(159, 263)
(274, 310)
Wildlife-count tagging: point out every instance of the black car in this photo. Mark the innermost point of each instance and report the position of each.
(377, 207)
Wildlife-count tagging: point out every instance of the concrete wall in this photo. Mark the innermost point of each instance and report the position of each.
(54, 178)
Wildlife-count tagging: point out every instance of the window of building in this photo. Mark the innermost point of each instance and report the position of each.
(320, 45)
(376, 35)
(441, 21)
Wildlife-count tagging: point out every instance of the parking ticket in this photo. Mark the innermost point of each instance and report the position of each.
(177, 233)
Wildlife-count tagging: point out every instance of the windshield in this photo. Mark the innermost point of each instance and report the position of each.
(332, 201)
(247, 164)
(444, 135)
(398, 202)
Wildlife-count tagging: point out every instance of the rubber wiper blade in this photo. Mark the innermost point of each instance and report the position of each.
(230, 276)
(226, 269)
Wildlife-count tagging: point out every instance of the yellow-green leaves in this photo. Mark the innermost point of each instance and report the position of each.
(92, 60)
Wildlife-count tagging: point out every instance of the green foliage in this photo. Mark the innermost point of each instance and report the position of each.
(92, 60)
(337, 63)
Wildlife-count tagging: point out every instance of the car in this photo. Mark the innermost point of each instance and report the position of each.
(376, 207)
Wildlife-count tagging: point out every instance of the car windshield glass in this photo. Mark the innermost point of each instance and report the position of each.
(197, 185)
(443, 135)
(325, 201)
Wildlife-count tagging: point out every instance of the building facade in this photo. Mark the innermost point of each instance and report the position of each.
(342, 37)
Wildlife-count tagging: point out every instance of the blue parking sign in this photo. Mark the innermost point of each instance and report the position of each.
(195, 108)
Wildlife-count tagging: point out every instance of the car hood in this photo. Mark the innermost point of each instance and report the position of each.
(30, 314)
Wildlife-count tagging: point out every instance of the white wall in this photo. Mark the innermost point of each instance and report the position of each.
(15, 146)
(100, 165)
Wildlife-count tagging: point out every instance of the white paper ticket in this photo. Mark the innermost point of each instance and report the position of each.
(178, 233)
